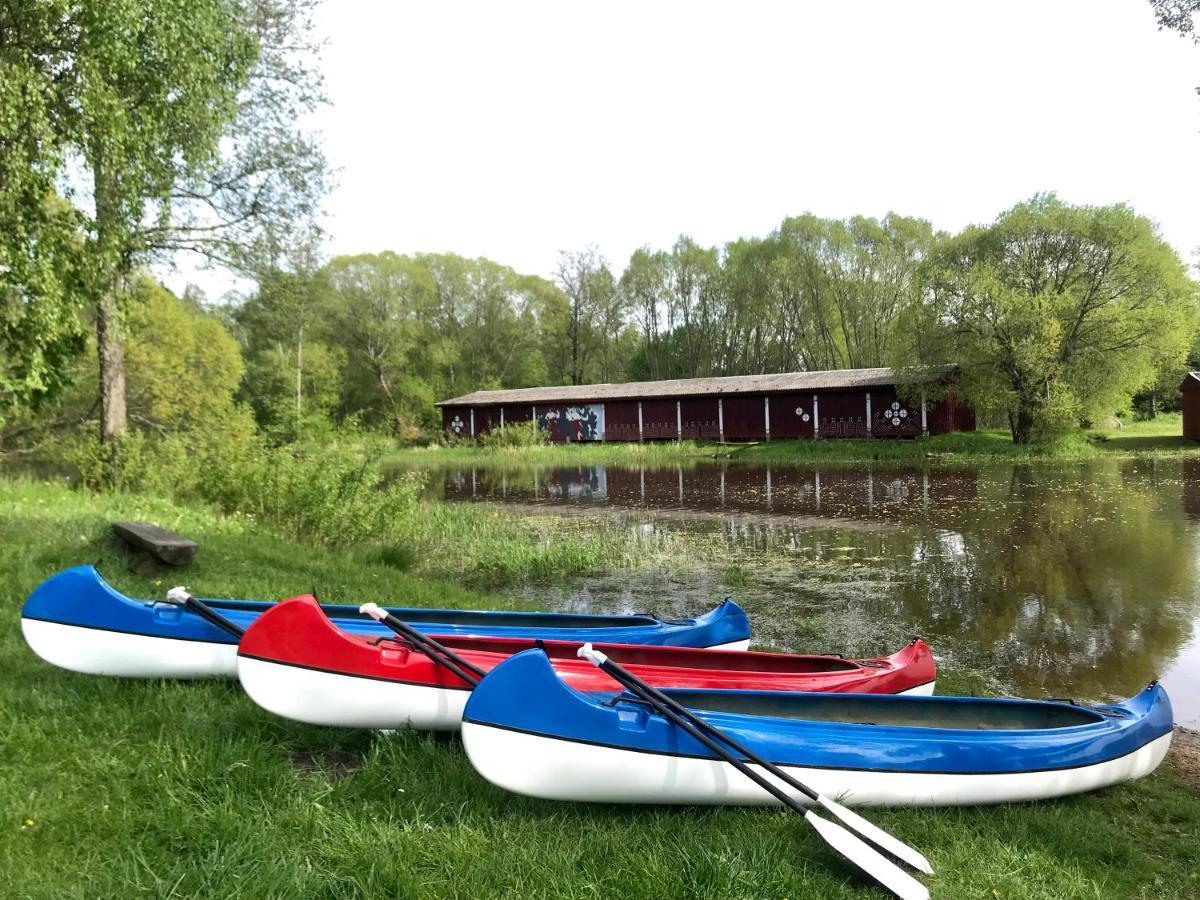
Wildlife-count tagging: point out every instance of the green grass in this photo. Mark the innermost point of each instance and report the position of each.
(1161, 437)
(115, 788)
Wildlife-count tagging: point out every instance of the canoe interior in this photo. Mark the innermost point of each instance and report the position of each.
(465, 616)
(727, 661)
(919, 712)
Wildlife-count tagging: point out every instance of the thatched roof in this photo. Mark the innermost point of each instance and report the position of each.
(788, 382)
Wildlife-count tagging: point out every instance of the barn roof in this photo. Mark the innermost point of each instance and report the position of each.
(787, 382)
(1191, 382)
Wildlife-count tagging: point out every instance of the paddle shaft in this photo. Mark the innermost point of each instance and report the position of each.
(680, 712)
(210, 615)
(437, 652)
(680, 722)
(853, 844)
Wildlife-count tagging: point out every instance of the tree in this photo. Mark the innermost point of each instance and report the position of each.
(293, 377)
(595, 313)
(1055, 313)
(1178, 15)
(379, 310)
(184, 366)
(176, 125)
(41, 330)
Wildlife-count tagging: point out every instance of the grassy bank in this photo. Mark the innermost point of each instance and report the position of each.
(117, 789)
(1161, 437)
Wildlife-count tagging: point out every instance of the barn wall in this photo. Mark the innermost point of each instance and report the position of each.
(791, 416)
(486, 418)
(844, 414)
(621, 420)
(744, 418)
(522, 412)
(699, 417)
(658, 418)
(1191, 415)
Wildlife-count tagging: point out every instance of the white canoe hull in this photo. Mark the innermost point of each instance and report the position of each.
(556, 769)
(94, 651)
(330, 698)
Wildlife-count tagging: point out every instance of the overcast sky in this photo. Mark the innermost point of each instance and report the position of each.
(516, 130)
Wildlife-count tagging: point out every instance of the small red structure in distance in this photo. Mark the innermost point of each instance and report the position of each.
(1190, 389)
(881, 403)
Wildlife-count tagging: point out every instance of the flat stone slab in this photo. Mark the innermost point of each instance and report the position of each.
(163, 545)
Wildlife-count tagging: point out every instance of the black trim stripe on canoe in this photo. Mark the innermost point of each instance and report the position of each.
(295, 665)
(792, 765)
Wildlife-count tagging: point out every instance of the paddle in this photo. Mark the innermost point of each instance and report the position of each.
(859, 849)
(435, 651)
(180, 596)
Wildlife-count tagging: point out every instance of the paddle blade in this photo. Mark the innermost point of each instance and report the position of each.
(877, 867)
(876, 836)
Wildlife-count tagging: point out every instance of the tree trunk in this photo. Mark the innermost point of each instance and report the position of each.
(111, 349)
(299, 375)
(110, 339)
(1154, 404)
(1022, 425)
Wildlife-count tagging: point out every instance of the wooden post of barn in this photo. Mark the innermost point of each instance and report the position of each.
(924, 420)
(816, 418)
(868, 413)
(721, 419)
(640, 428)
(678, 421)
(767, 418)
(501, 418)
(472, 421)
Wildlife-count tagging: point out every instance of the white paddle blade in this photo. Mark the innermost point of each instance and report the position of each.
(873, 834)
(877, 866)
(373, 610)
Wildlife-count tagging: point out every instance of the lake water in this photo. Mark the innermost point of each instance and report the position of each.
(1061, 580)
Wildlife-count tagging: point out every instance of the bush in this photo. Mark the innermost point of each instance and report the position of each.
(330, 495)
(515, 435)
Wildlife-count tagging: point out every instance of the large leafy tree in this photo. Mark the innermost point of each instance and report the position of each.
(379, 311)
(41, 330)
(172, 126)
(1056, 313)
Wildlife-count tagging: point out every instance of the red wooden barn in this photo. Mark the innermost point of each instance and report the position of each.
(1190, 389)
(841, 403)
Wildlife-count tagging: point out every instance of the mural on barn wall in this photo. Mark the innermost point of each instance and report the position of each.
(582, 422)
(458, 425)
(896, 419)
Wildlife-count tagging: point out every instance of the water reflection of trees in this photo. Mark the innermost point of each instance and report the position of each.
(1073, 578)
(1070, 579)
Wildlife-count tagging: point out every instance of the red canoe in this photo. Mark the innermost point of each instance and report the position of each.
(296, 663)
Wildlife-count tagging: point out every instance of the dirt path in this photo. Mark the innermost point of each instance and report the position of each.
(1185, 755)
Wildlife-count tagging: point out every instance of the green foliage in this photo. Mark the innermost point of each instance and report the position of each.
(515, 435)
(41, 331)
(184, 366)
(1056, 314)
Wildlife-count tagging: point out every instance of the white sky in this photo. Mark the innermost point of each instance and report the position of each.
(515, 130)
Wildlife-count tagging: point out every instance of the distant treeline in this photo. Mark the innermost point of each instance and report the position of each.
(1057, 313)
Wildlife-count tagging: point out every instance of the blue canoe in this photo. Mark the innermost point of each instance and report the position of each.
(77, 621)
(526, 730)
